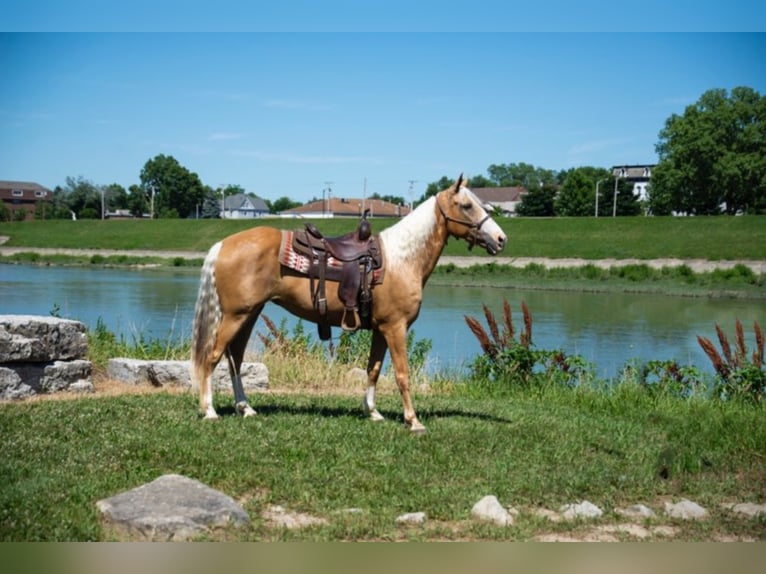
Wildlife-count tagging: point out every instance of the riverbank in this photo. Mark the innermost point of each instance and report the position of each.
(696, 265)
(743, 279)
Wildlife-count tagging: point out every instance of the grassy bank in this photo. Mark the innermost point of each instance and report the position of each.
(310, 450)
(716, 238)
(317, 455)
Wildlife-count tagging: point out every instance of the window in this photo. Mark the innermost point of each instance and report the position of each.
(17, 193)
(40, 193)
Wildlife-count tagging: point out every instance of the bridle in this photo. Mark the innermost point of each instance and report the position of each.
(473, 234)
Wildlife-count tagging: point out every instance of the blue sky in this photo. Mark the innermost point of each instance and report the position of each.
(282, 113)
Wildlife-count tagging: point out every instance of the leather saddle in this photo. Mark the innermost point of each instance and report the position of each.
(349, 260)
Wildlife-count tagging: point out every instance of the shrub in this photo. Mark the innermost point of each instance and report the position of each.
(738, 375)
(508, 361)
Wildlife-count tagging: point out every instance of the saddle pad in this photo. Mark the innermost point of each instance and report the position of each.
(300, 263)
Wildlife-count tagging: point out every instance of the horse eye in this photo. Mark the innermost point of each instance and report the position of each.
(468, 206)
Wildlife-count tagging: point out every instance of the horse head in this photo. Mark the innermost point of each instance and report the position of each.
(467, 218)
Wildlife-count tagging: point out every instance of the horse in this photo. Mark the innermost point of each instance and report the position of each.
(242, 272)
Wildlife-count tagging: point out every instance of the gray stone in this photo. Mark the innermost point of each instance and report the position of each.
(635, 511)
(40, 339)
(12, 387)
(685, 510)
(749, 509)
(283, 518)
(21, 380)
(255, 376)
(584, 509)
(172, 508)
(411, 518)
(489, 509)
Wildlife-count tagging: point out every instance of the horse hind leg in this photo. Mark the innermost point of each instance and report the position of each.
(235, 353)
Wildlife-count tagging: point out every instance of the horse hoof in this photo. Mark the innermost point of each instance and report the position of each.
(376, 417)
(245, 410)
(417, 429)
(210, 417)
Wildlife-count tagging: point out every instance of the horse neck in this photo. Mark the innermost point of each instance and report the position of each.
(417, 240)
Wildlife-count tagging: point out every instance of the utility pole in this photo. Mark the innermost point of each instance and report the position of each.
(614, 202)
(597, 184)
(151, 215)
(328, 189)
(410, 191)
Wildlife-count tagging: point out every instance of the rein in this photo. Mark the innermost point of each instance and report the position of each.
(474, 228)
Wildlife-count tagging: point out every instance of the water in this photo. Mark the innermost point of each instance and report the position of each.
(607, 329)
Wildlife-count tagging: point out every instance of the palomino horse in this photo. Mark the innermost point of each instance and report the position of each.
(243, 272)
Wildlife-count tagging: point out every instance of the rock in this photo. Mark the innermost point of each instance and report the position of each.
(583, 510)
(489, 509)
(280, 516)
(172, 508)
(411, 518)
(635, 511)
(255, 376)
(42, 355)
(685, 510)
(749, 509)
(12, 387)
(39, 339)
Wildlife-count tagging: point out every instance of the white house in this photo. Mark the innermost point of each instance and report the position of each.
(243, 206)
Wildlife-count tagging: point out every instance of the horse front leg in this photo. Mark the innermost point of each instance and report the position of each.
(397, 345)
(378, 350)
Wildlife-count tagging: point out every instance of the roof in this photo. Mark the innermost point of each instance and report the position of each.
(642, 171)
(496, 195)
(346, 207)
(242, 201)
(23, 185)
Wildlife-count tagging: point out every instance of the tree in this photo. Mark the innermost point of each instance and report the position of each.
(282, 204)
(520, 174)
(577, 194)
(538, 202)
(82, 197)
(712, 159)
(176, 190)
(211, 205)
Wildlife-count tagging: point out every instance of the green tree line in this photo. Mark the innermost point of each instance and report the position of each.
(711, 160)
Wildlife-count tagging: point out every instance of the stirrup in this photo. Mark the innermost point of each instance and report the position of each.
(357, 321)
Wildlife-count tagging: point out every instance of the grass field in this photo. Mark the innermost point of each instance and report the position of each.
(316, 454)
(717, 238)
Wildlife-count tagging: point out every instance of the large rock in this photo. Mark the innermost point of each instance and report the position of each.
(255, 376)
(42, 355)
(171, 508)
(21, 380)
(39, 339)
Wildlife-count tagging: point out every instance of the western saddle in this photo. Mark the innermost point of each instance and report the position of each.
(357, 257)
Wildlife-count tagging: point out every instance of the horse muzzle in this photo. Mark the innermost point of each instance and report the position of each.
(493, 242)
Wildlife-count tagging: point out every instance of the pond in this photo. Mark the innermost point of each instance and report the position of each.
(607, 329)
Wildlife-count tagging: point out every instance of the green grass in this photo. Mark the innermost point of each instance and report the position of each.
(317, 454)
(738, 282)
(717, 238)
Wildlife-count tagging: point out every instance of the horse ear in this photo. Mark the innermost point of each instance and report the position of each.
(458, 183)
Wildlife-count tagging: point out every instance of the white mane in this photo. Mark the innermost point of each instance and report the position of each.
(405, 239)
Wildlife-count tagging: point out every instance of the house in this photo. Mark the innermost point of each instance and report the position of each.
(26, 196)
(506, 199)
(343, 207)
(243, 206)
(638, 174)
